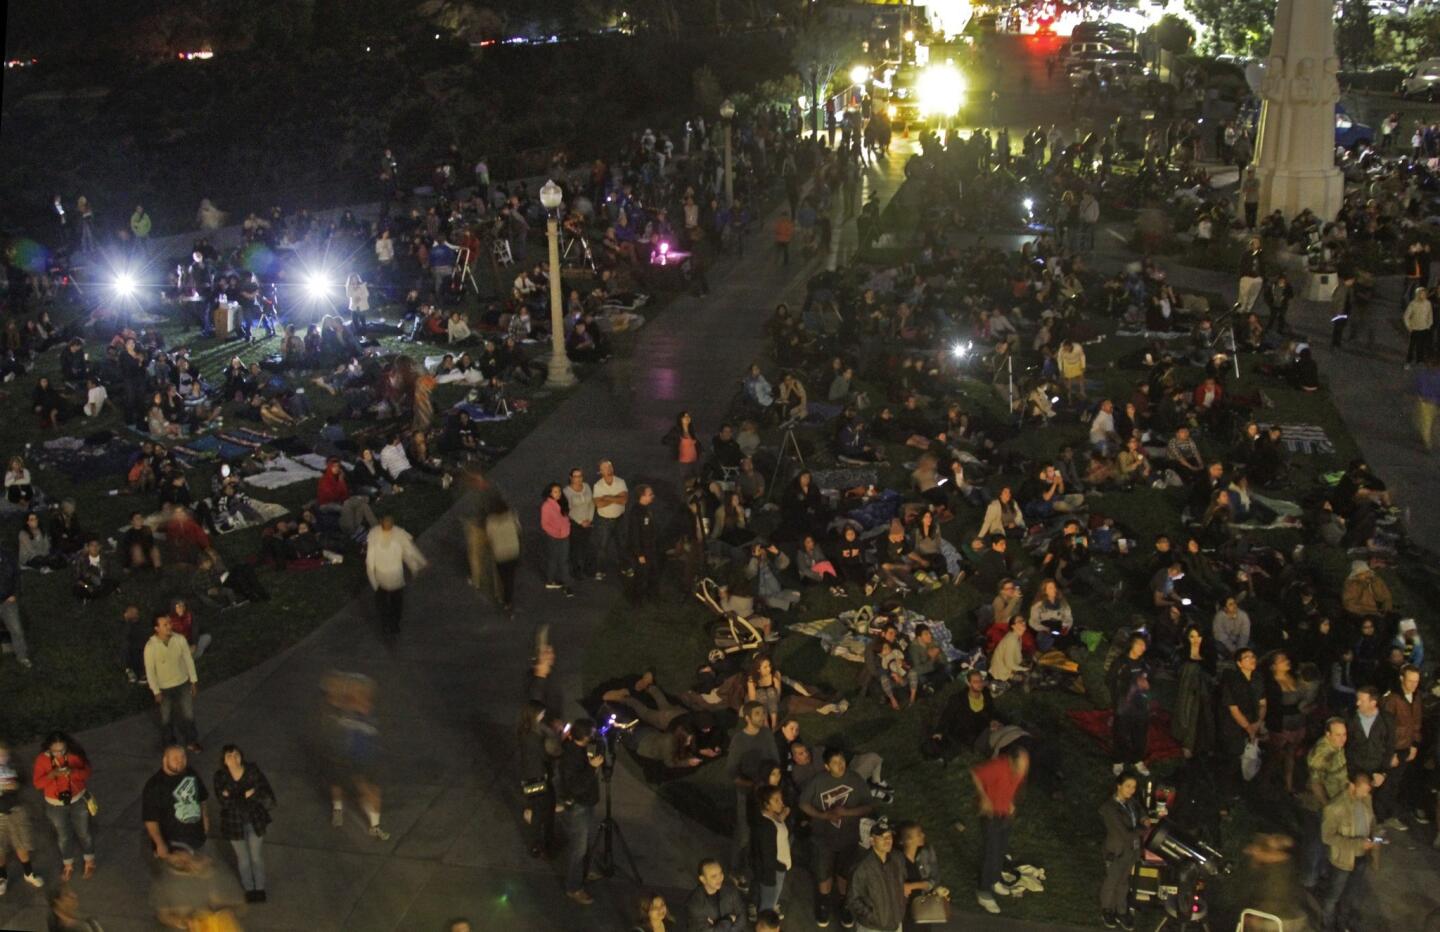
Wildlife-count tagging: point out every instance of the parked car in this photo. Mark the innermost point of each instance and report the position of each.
(1422, 81)
(1348, 133)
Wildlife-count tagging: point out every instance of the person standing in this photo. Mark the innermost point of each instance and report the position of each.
(643, 548)
(581, 499)
(1347, 828)
(502, 537)
(1125, 826)
(836, 799)
(1252, 276)
(1419, 318)
(140, 227)
(1242, 712)
(580, 761)
(173, 806)
(10, 607)
(771, 846)
(714, 905)
(539, 750)
(1278, 295)
(1088, 215)
(1406, 712)
(14, 824)
(784, 233)
(556, 528)
(684, 445)
(611, 495)
(1427, 402)
(62, 775)
(389, 552)
(245, 803)
(1250, 197)
(751, 747)
(877, 887)
(170, 674)
(1129, 683)
(996, 782)
(1329, 777)
(1342, 304)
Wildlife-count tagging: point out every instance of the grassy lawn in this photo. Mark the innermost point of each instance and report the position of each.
(1061, 835)
(78, 681)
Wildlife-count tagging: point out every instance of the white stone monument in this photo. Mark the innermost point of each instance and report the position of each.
(1295, 151)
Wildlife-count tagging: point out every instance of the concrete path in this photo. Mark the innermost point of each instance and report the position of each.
(450, 689)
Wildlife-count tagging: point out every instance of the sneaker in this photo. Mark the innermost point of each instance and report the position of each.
(26, 664)
(1000, 889)
(822, 915)
(337, 817)
(553, 585)
(599, 576)
(581, 897)
(1126, 920)
(35, 880)
(569, 593)
(1107, 918)
(1395, 825)
(1421, 817)
(378, 833)
(988, 903)
(847, 921)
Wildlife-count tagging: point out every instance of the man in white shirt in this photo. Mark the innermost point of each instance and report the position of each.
(95, 398)
(1102, 430)
(581, 499)
(611, 495)
(170, 674)
(389, 552)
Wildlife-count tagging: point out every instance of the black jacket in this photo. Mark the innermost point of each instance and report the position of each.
(877, 891)
(579, 783)
(764, 849)
(643, 537)
(9, 576)
(960, 725)
(1370, 753)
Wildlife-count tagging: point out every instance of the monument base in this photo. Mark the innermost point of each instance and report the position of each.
(1292, 190)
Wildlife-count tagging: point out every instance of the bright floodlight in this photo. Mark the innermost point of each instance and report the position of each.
(941, 90)
(909, 35)
(551, 195)
(317, 286)
(958, 351)
(859, 74)
(124, 285)
(1028, 204)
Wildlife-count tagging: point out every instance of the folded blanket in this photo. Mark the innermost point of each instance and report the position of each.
(282, 471)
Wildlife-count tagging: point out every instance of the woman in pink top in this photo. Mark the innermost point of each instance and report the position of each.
(684, 445)
(556, 525)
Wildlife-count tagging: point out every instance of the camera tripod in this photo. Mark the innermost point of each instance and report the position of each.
(609, 834)
(789, 447)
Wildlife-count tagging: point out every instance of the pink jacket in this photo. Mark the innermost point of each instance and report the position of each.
(553, 521)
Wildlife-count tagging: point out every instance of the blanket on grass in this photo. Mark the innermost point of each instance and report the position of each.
(1161, 745)
(848, 635)
(1307, 439)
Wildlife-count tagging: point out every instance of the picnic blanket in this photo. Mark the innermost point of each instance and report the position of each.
(1308, 439)
(80, 462)
(234, 444)
(282, 471)
(848, 635)
(478, 413)
(1154, 334)
(845, 478)
(1161, 746)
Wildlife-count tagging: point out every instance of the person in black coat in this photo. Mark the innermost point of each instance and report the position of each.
(538, 749)
(1125, 826)
(1370, 747)
(802, 510)
(643, 547)
(966, 717)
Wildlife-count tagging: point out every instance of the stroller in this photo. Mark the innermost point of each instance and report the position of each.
(730, 633)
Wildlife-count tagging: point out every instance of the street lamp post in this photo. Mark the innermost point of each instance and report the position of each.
(561, 375)
(727, 114)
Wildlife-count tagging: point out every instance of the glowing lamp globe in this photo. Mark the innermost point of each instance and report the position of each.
(727, 109)
(550, 195)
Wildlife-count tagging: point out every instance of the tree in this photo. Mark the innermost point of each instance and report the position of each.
(1174, 35)
(463, 20)
(1240, 26)
(706, 89)
(1355, 34)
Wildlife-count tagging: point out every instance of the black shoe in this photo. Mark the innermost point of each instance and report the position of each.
(822, 915)
(259, 896)
(1108, 918)
(1126, 920)
(847, 921)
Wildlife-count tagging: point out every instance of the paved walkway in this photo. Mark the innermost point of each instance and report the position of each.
(449, 690)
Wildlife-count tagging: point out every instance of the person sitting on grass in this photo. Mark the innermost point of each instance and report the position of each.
(36, 552)
(138, 549)
(1007, 662)
(183, 623)
(94, 574)
(895, 672)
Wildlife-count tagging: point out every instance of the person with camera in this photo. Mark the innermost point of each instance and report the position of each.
(580, 760)
(539, 748)
(62, 772)
(1125, 823)
(1349, 831)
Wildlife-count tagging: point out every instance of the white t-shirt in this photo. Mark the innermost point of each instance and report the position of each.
(616, 486)
(95, 399)
(1102, 427)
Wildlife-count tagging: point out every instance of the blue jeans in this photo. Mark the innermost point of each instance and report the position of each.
(1341, 890)
(557, 560)
(178, 699)
(250, 858)
(581, 828)
(72, 822)
(995, 842)
(770, 894)
(607, 541)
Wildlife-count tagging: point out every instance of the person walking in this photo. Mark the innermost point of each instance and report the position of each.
(784, 233)
(1419, 318)
(502, 537)
(580, 762)
(245, 803)
(611, 496)
(581, 501)
(389, 552)
(1250, 197)
(170, 674)
(1427, 401)
(1348, 830)
(1342, 305)
(173, 806)
(556, 527)
(877, 886)
(1125, 826)
(996, 782)
(351, 743)
(14, 824)
(62, 775)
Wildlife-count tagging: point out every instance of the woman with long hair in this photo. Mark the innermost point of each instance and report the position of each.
(1193, 721)
(556, 527)
(245, 802)
(652, 914)
(62, 774)
(539, 749)
(1284, 715)
(684, 445)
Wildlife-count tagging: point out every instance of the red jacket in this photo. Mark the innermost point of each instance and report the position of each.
(184, 625)
(52, 784)
(1198, 397)
(332, 489)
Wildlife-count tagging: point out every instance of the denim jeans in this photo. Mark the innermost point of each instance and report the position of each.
(250, 858)
(71, 823)
(10, 617)
(607, 541)
(995, 842)
(770, 894)
(581, 827)
(557, 560)
(1341, 890)
(177, 715)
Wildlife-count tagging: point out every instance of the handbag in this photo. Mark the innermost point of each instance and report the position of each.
(929, 909)
(1250, 761)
